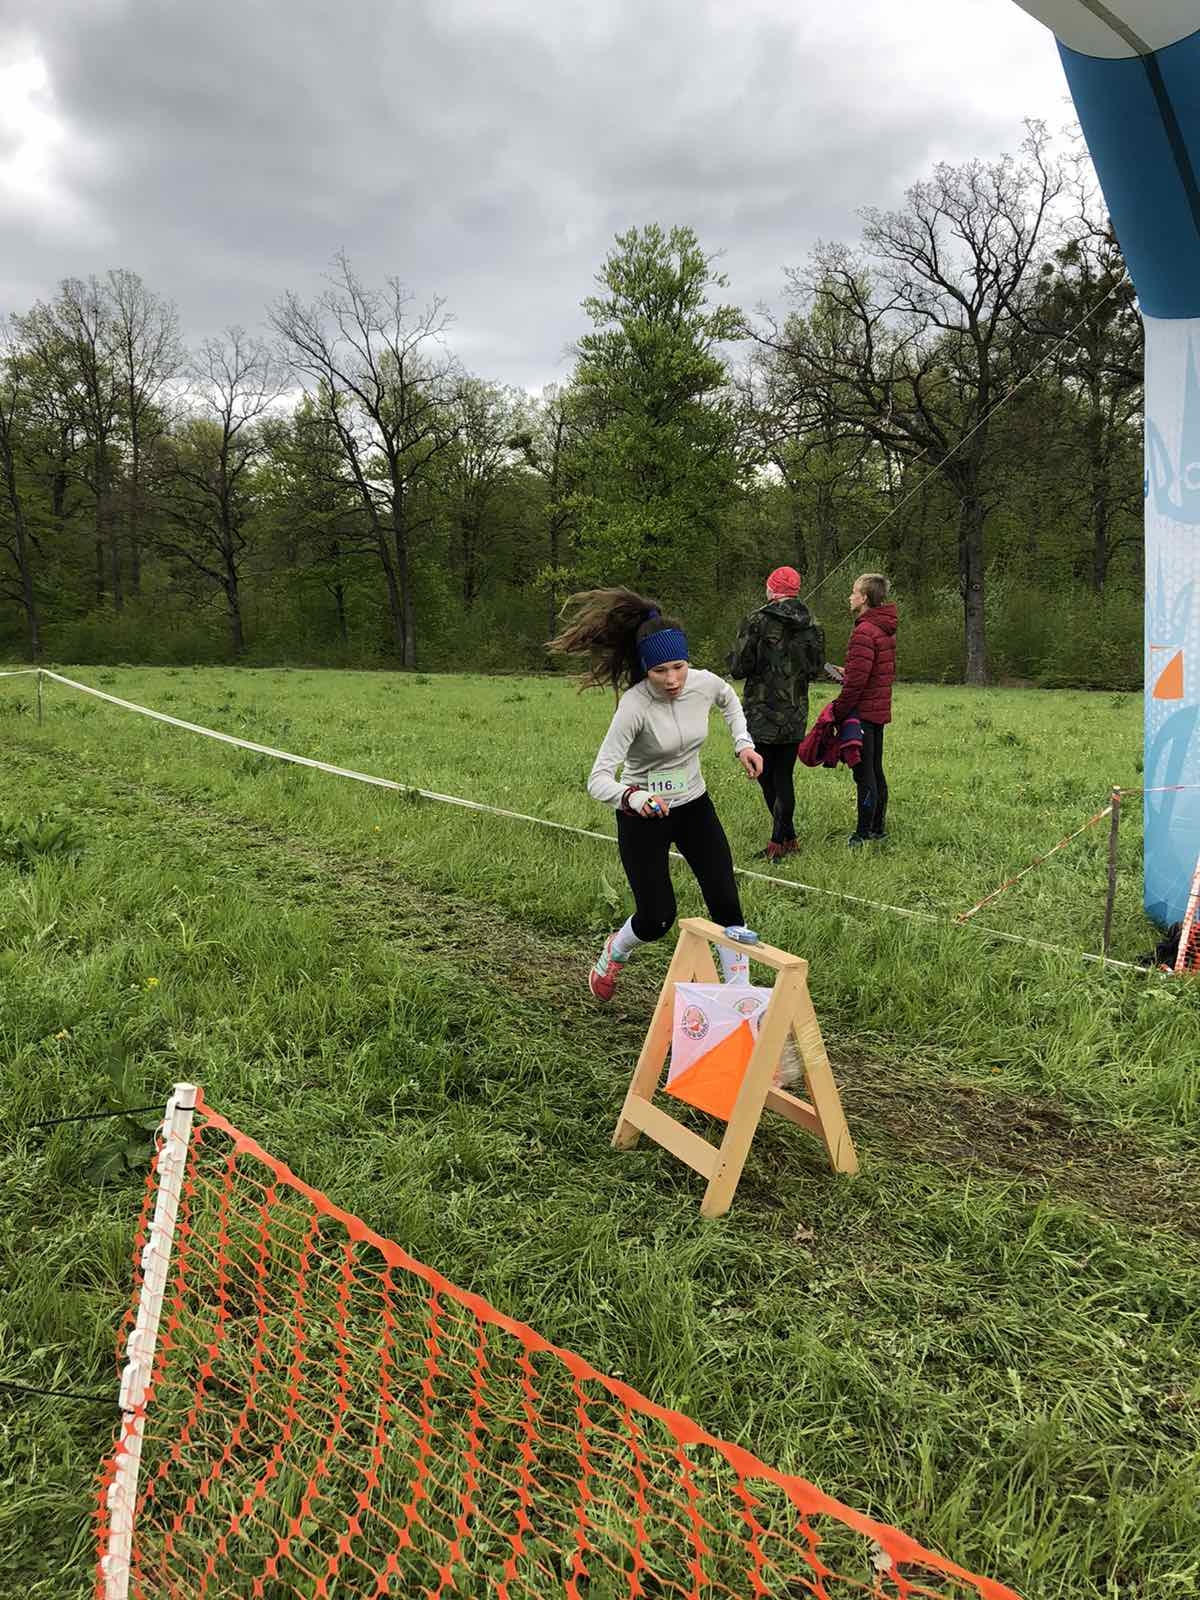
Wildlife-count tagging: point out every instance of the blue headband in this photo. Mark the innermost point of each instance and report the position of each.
(668, 644)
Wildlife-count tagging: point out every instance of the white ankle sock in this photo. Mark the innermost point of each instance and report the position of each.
(735, 965)
(625, 942)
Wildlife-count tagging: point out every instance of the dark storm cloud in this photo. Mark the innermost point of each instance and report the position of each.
(487, 150)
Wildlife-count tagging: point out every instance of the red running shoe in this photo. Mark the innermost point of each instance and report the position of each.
(776, 852)
(602, 979)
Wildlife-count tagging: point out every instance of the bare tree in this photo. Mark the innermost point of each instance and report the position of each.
(930, 333)
(17, 539)
(822, 461)
(1086, 303)
(148, 357)
(383, 377)
(206, 466)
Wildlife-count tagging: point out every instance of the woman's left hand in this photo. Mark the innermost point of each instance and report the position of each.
(752, 762)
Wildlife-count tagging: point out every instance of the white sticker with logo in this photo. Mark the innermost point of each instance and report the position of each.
(667, 782)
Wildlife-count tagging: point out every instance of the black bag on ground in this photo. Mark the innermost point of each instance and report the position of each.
(1165, 951)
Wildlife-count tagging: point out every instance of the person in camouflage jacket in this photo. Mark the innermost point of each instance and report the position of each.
(780, 649)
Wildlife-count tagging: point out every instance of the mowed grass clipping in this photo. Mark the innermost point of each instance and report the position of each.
(988, 1337)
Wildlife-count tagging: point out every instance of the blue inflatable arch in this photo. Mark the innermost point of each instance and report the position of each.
(1134, 71)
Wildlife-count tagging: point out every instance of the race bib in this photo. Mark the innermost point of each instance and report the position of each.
(668, 781)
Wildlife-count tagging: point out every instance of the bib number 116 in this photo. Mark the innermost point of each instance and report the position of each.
(667, 783)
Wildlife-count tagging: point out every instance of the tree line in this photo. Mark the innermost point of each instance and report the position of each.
(956, 397)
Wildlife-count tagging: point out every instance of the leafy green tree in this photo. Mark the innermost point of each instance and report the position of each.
(17, 538)
(658, 451)
(73, 342)
(393, 486)
(475, 471)
(545, 438)
(321, 542)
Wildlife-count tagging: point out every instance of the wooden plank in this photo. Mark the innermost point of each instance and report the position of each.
(766, 953)
(822, 1087)
(689, 951)
(673, 1136)
(704, 967)
(787, 1105)
(789, 1014)
(752, 1096)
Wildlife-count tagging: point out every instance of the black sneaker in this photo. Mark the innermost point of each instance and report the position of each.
(882, 834)
(856, 841)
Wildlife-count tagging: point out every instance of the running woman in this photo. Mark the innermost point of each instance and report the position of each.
(660, 723)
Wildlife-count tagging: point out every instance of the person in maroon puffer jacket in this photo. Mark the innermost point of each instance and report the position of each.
(866, 681)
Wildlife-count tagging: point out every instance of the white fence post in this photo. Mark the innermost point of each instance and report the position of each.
(139, 1352)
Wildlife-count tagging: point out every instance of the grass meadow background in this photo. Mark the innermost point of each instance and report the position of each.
(988, 1337)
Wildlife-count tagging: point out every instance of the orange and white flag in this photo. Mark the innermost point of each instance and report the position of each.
(714, 1031)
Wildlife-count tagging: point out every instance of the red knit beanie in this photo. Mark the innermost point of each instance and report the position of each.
(784, 582)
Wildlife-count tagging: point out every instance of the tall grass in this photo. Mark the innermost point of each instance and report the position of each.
(1065, 637)
(1069, 639)
(988, 1337)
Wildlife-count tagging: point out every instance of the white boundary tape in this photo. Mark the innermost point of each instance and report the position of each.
(564, 827)
(323, 766)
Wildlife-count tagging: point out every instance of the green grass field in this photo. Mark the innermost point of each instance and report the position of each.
(988, 1337)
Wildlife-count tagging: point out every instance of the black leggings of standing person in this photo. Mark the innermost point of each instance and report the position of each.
(696, 832)
(779, 789)
(871, 784)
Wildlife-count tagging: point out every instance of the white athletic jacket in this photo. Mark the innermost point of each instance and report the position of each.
(658, 741)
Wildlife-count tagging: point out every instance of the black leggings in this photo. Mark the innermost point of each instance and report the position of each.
(871, 783)
(778, 789)
(696, 831)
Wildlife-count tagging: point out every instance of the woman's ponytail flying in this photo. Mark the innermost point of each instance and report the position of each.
(607, 625)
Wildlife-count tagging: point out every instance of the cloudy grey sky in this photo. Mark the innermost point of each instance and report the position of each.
(483, 150)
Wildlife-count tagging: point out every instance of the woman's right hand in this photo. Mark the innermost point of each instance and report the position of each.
(641, 803)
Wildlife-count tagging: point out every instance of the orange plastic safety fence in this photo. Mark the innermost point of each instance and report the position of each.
(1187, 957)
(329, 1418)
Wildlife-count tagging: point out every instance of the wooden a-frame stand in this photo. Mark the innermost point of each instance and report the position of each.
(790, 1010)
